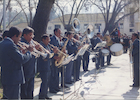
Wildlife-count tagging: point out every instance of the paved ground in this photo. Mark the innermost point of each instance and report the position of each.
(110, 82)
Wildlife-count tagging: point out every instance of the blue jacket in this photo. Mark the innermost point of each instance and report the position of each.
(54, 42)
(29, 67)
(97, 40)
(11, 61)
(43, 64)
(135, 51)
(71, 47)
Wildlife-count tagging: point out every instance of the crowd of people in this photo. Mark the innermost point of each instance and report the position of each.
(20, 62)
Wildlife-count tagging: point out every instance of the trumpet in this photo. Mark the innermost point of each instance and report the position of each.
(24, 46)
(44, 50)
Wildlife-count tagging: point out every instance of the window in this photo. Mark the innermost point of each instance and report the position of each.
(49, 28)
(131, 25)
(131, 30)
(121, 25)
(85, 26)
(97, 26)
(57, 26)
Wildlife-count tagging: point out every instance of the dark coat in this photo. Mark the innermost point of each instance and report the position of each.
(11, 61)
(43, 64)
(71, 47)
(29, 67)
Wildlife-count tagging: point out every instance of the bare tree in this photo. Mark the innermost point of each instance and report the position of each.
(41, 17)
(117, 6)
(23, 9)
(75, 10)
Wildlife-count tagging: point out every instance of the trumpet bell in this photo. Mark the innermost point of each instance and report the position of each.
(76, 24)
(51, 55)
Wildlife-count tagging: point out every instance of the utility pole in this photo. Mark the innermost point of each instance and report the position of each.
(4, 15)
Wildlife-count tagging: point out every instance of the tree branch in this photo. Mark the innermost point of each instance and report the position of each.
(126, 15)
(100, 10)
(72, 12)
(23, 11)
(63, 19)
(15, 17)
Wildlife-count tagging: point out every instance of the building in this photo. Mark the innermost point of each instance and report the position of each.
(97, 20)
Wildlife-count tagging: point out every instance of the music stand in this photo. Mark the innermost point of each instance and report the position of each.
(81, 51)
(66, 60)
(101, 44)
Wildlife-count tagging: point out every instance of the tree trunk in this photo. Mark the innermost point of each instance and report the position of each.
(41, 18)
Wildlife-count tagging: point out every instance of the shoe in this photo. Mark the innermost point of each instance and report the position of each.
(68, 82)
(72, 81)
(48, 98)
(110, 64)
(97, 68)
(42, 98)
(134, 86)
(53, 91)
(57, 90)
(87, 70)
(79, 79)
(65, 86)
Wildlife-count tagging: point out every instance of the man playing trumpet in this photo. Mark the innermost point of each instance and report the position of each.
(43, 67)
(11, 61)
(29, 67)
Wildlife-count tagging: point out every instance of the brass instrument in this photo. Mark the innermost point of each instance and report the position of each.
(89, 31)
(61, 54)
(44, 50)
(35, 52)
(25, 46)
(109, 42)
(76, 25)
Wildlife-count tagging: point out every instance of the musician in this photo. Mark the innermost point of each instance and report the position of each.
(71, 48)
(135, 55)
(54, 80)
(126, 43)
(85, 59)
(109, 42)
(77, 62)
(29, 67)
(100, 58)
(92, 42)
(11, 61)
(0, 38)
(43, 66)
(5, 34)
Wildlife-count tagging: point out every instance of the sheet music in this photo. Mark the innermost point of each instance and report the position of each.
(102, 44)
(81, 51)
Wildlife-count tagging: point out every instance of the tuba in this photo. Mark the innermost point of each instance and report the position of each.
(76, 25)
(89, 31)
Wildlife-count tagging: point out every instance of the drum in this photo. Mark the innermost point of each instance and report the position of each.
(116, 49)
(105, 52)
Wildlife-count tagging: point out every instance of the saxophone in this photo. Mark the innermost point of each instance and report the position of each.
(61, 55)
